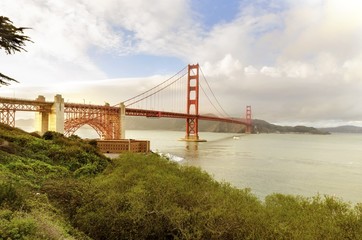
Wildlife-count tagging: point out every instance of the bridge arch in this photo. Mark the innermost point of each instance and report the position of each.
(72, 125)
(105, 120)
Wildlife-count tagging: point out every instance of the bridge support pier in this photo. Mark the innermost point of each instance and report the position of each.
(56, 117)
(53, 121)
(41, 118)
(122, 119)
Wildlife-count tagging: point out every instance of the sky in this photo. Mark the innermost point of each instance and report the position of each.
(295, 62)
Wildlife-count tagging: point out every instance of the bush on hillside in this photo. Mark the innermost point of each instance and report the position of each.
(16, 225)
(146, 197)
(27, 161)
(141, 197)
(10, 196)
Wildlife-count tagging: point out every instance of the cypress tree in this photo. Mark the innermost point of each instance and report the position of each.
(12, 40)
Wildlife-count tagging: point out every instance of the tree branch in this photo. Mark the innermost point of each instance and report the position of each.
(12, 39)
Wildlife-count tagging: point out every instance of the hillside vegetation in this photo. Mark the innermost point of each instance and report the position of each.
(27, 162)
(52, 187)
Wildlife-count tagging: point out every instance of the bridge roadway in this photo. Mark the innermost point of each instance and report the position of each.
(159, 114)
(15, 104)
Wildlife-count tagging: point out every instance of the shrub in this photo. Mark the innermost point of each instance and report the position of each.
(296, 217)
(8, 148)
(50, 135)
(90, 169)
(16, 225)
(10, 196)
(141, 197)
(69, 193)
(93, 143)
(35, 134)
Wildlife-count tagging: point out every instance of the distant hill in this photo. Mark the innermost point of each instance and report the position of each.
(24, 122)
(343, 129)
(259, 126)
(139, 123)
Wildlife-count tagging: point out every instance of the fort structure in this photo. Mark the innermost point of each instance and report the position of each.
(123, 145)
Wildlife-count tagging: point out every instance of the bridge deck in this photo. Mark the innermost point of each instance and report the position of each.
(15, 104)
(159, 114)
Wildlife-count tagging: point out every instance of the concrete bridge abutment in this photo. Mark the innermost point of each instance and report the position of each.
(122, 120)
(41, 118)
(52, 120)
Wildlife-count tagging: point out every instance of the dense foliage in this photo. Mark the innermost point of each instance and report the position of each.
(140, 197)
(62, 188)
(27, 161)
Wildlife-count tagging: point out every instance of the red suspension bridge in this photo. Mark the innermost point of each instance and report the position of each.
(166, 100)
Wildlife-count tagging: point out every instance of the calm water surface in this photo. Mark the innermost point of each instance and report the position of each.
(284, 163)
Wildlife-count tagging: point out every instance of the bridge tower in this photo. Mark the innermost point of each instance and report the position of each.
(192, 123)
(248, 119)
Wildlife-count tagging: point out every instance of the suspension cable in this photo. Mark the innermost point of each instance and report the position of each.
(218, 103)
(159, 90)
(132, 98)
(210, 100)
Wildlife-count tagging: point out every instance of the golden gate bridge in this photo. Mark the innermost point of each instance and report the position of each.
(165, 100)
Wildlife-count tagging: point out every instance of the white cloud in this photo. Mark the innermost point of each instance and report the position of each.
(301, 61)
(309, 56)
(66, 31)
(250, 70)
(352, 70)
(270, 71)
(160, 27)
(62, 37)
(227, 66)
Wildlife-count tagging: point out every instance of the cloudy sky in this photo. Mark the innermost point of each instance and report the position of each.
(294, 62)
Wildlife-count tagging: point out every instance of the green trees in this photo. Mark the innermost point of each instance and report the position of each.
(12, 40)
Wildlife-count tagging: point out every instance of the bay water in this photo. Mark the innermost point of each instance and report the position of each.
(298, 164)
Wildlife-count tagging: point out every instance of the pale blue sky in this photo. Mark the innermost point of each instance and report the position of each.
(296, 62)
